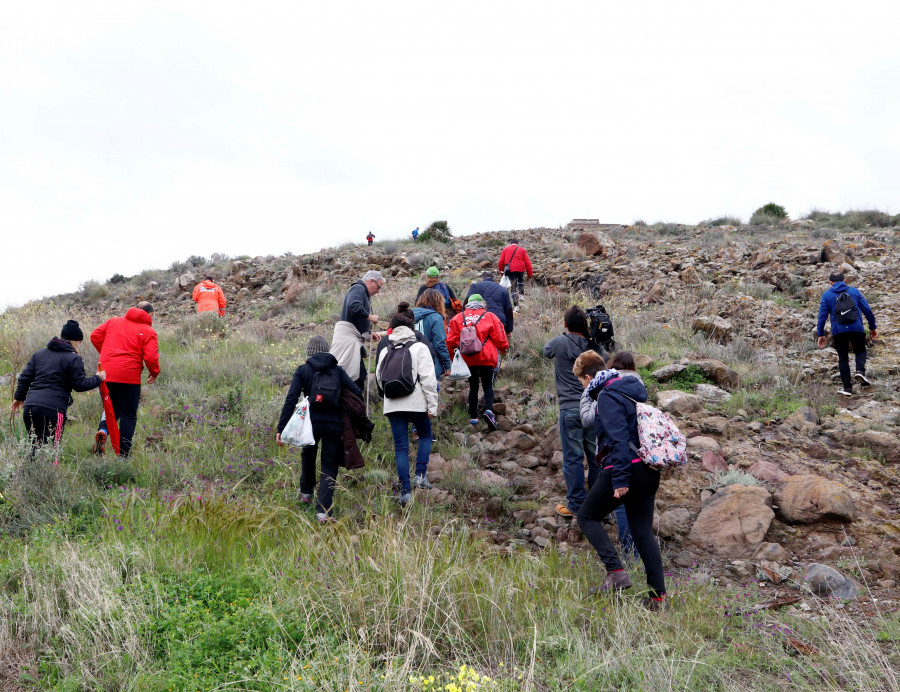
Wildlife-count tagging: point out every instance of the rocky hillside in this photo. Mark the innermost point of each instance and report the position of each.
(788, 483)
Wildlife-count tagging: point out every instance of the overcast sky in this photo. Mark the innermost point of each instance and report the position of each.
(136, 134)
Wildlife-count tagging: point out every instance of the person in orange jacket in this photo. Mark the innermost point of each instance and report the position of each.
(515, 262)
(126, 344)
(492, 335)
(209, 297)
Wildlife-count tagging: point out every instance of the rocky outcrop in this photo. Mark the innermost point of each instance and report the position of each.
(734, 521)
(808, 499)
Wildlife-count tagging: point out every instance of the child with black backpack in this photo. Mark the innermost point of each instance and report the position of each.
(405, 374)
(321, 379)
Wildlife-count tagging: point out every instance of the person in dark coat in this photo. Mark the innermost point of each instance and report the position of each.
(44, 389)
(433, 280)
(495, 297)
(327, 422)
(624, 479)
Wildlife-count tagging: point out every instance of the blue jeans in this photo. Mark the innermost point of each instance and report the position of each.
(625, 539)
(578, 444)
(400, 421)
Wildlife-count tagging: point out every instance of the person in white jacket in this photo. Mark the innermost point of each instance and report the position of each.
(407, 361)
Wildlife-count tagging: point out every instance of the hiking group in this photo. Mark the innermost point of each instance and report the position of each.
(613, 444)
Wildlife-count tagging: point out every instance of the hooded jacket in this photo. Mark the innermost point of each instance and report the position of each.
(209, 297)
(497, 300)
(357, 308)
(125, 345)
(521, 262)
(564, 349)
(326, 419)
(439, 286)
(424, 397)
(826, 310)
(430, 323)
(616, 421)
(51, 375)
(489, 330)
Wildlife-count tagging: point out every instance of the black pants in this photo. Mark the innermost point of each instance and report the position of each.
(518, 285)
(638, 503)
(43, 425)
(125, 399)
(484, 374)
(842, 344)
(332, 455)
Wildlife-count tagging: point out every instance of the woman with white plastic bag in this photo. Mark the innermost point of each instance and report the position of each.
(320, 381)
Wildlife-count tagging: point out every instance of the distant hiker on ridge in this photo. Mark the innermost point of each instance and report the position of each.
(45, 386)
(125, 344)
(514, 262)
(415, 233)
(845, 306)
(370, 238)
(355, 324)
(209, 297)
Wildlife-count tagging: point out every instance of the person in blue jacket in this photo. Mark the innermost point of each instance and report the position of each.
(846, 335)
(429, 319)
(624, 480)
(415, 233)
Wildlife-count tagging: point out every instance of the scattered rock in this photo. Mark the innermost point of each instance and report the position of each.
(489, 478)
(882, 443)
(678, 402)
(698, 446)
(675, 522)
(734, 520)
(718, 372)
(767, 472)
(772, 552)
(712, 462)
(714, 425)
(711, 393)
(595, 244)
(186, 282)
(713, 326)
(656, 294)
(826, 581)
(808, 499)
(667, 372)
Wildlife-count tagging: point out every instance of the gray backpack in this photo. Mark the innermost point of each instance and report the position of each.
(469, 343)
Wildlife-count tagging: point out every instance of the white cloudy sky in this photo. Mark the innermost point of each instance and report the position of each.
(136, 134)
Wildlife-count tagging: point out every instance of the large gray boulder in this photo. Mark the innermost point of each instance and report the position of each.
(826, 581)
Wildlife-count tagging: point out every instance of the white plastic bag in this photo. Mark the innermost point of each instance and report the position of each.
(298, 432)
(505, 282)
(459, 370)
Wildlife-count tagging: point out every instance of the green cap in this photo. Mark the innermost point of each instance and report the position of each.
(476, 298)
(432, 271)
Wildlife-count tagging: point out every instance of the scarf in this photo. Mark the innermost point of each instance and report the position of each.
(476, 305)
(600, 380)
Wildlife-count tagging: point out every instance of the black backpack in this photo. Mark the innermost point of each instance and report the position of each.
(326, 388)
(845, 309)
(601, 329)
(397, 379)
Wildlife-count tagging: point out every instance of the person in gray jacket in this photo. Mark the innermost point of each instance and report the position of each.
(578, 442)
(354, 325)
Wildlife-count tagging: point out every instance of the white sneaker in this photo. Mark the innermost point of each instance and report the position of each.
(845, 392)
(862, 378)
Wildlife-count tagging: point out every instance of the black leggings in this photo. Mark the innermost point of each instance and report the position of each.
(43, 425)
(638, 503)
(485, 374)
(332, 455)
(125, 399)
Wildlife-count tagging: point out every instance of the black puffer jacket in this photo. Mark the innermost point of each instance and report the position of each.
(326, 419)
(616, 420)
(51, 375)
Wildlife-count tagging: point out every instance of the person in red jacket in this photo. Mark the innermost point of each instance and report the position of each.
(126, 344)
(514, 262)
(209, 297)
(493, 337)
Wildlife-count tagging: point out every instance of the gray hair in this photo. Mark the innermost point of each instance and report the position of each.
(373, 275)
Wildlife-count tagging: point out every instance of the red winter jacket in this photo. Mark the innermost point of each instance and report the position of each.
(488, 327)
(520, 263)
(209, 297)
(125, 344)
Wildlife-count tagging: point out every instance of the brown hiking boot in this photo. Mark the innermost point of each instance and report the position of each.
(615, 581)
(564, 511)
(99, 447)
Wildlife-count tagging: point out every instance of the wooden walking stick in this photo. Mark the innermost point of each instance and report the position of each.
(368, 384)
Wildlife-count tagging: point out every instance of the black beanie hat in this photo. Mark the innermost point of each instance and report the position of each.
(71, 331)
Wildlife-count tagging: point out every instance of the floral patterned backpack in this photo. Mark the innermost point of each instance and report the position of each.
(662, 444)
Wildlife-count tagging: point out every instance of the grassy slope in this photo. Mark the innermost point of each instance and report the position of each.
(192, 567)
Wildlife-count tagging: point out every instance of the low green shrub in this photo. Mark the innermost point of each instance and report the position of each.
(731, 477)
